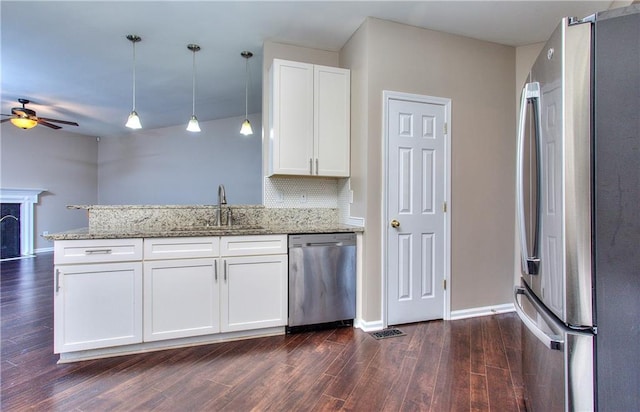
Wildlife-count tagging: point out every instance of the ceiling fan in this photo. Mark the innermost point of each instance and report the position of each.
(26, 118)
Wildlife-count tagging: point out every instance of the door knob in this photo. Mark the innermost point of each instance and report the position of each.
(395, 223)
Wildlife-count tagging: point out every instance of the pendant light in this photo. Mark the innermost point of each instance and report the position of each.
(193, 125)
(246, 126)
(133, 122)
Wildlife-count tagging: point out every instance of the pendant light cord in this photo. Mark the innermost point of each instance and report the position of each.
(246, 88)
(134, 75)
(193, 85)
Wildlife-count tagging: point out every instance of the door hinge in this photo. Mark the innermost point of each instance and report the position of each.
(444, 284)
(446, 128)
(444, 207)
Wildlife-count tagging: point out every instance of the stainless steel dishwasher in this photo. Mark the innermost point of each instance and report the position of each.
(322, 279)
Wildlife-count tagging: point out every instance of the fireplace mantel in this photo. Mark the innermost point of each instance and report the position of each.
(27, 198)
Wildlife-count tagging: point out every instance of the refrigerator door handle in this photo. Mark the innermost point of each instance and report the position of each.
(550, 341)
(530, 261)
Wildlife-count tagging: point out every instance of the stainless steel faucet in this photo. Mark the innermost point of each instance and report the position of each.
(222, 200)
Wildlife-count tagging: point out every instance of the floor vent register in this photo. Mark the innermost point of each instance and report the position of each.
(387, 333)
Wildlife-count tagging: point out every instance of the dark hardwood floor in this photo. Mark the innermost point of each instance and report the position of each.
(463, 365)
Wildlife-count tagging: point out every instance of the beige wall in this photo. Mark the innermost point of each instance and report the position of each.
(63, 163)
(479, 78)
(525, 56)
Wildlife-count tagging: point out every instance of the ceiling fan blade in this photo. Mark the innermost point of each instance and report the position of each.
(2, 114)
(4, 120)
(51, 125)
(58, 121)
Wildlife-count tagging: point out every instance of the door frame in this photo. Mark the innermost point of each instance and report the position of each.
(388, 95)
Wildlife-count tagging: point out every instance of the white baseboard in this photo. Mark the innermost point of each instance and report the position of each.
(482, 311)
(368, 326)
(44, 250)
(455, 315)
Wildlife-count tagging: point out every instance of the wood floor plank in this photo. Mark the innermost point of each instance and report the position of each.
(362, 352)
(493, 345)
(453, 387)
(478, 359)
(380, 376)
(501, 394)
(479, 401)
(421, 386)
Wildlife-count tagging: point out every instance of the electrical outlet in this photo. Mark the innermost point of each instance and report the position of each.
(350, 196)
(280, 197)
(303, 198)
(45, 233)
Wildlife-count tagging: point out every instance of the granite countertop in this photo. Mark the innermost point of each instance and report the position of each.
(149, 221)
(239, 230)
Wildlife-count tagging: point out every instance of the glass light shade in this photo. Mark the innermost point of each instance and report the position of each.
(246, 128)
(23, 122)
(133, 122)
(193, 125)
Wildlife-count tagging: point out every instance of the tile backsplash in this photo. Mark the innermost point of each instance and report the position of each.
(300, 192)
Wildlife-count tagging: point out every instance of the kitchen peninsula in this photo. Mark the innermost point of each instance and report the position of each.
(142, 278)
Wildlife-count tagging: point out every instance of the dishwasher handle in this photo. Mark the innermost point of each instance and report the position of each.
(322, 240)
(312, 244)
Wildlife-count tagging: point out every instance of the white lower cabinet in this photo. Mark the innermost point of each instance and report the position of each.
(181, 298)
(239, 283)
(133, 291)
(97, 306)
(254, 292)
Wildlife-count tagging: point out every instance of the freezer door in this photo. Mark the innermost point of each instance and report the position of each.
(557, 363)
(557, 228)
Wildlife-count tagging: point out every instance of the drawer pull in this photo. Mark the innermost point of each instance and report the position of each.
(97, 252)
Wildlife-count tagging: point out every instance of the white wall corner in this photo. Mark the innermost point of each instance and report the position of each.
(368, 326)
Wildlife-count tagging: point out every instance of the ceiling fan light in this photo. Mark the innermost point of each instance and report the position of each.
(23, 122)
(246, 128)
(193, 125)
(133, 122)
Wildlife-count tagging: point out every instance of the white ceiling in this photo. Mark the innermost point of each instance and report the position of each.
(72, 60)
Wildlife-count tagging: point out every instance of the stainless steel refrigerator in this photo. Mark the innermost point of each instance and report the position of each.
(578, 197)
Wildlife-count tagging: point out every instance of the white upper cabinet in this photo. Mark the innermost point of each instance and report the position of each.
(309, 131)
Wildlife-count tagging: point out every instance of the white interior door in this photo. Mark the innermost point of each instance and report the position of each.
(417, 247)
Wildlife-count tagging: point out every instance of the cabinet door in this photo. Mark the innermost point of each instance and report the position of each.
(181, 298)
(254, 292)
(332, 105)
(97, 306)
(291, 116)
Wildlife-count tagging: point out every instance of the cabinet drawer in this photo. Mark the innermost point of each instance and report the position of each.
(181, 247)
(97, 250)
(253, 245)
